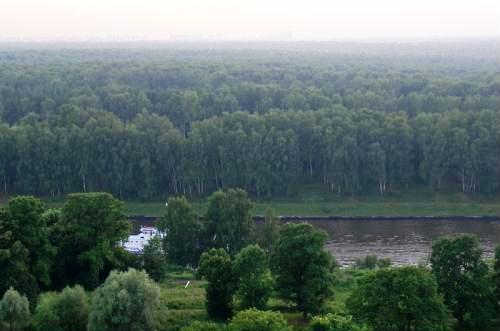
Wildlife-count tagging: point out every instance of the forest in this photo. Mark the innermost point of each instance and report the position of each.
(149, 123)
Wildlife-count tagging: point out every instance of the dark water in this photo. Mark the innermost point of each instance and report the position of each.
(403, 241)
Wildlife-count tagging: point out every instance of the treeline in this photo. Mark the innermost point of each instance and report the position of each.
(348, 152)
(149, 125)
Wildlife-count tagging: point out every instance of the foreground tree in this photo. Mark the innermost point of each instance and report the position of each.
(216, 267)
(154, 261)
(302, 266)
(91, 226)
(399, 299)
(256, 320)
(228, 220)
(496, 276)
(65, 311)
(182, 224)
(26, 254)
(14, 311)
(269, 232)
(126, 302)
(254, 280)
(462, 280)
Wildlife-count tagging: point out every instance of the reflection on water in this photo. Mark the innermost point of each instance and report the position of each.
(403, 241)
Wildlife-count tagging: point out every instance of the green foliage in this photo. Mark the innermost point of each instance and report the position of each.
(216, 267)
(228, 221)
(335, 322)
(372, 262)
(496, 276)
(254, 280)
(25, 251)
(196, 124)
(154, 260)
(302, 266)
(399, 299)
(183, 226)
(269, 232)
(256, 320)
(127, 301)
(203, 326)
(14, 311)
(91, 226)
(462, 279)
(65, 311)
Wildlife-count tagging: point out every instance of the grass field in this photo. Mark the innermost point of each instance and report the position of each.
(315, 201)
(180, 305)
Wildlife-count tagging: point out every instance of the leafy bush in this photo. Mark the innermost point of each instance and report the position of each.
(372, 262)
(203, 326)
(334, 322)
(67, 310)
(126, 301)
(14, 311)
(256, 320)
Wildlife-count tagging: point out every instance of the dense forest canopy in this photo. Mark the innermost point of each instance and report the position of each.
(152, 121)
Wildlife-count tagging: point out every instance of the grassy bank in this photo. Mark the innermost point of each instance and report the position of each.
(323, 204)
(314, 201)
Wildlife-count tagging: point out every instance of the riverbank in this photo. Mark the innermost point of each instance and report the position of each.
(345, 208)
(314, 202)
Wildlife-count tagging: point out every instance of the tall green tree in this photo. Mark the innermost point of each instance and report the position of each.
(302, 267)
(254, 280)
(399, 299)
(183, 232)
(26, 254)
(154, 260)
(269, 232)
(217, 268)
(92, 226)
(64, 311)
(228, 221)
(14, 311)
(462, 280)
(496, 276)
(126, 301)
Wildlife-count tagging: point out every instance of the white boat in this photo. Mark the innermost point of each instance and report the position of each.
(136, 242)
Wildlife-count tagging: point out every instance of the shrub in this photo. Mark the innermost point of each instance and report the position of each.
(256, 320)
(126, 301)
(334, 322)
(203, 326)
(14, 311)
(67, 310)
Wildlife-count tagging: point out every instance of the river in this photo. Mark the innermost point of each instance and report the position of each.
(403, 241)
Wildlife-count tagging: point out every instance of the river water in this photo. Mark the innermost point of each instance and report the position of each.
(403, 241)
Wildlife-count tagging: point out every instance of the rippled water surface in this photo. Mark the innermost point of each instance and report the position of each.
(403, 241)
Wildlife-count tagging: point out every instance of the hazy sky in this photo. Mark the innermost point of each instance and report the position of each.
(247, 19)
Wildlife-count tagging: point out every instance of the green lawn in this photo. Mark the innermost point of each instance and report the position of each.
(180, 305)
(316, 201)
(323, 203)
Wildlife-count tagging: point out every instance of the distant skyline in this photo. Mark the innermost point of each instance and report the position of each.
(252, 20)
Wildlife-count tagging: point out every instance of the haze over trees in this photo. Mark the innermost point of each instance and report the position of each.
(145, 124)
